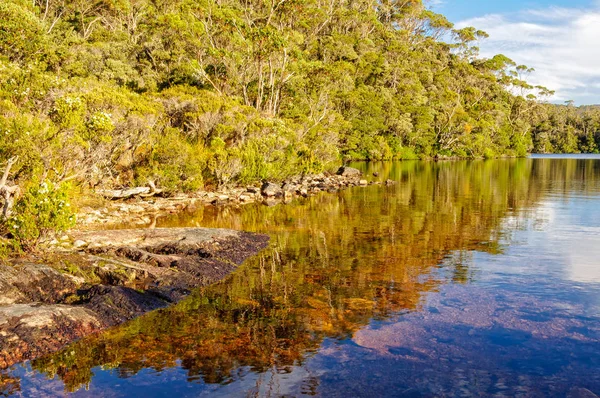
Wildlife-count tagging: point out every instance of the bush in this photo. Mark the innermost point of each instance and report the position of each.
(406, 153)
(42, 211)
(21, 32)
(174, 164)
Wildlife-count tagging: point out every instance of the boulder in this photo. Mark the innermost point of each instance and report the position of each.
(271, 190)
(349, 172)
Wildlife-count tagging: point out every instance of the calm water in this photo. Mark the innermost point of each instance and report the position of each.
(465, 278)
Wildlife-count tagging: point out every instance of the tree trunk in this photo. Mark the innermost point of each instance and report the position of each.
(8, 192)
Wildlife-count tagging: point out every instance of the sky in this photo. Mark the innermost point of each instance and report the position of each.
(560, 39)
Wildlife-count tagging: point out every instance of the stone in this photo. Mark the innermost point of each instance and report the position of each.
(79, 244)
(271, 190)
(349, 172)
(288, 187)
(390, 182)
(363, 182)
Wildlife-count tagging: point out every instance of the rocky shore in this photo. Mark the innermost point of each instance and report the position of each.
(97, 279)
(143, 210)
(107, 278)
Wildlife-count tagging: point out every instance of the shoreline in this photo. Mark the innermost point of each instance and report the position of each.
(142, 212)
(93, 278)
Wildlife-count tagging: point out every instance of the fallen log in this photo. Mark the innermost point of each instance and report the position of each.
(127, 193)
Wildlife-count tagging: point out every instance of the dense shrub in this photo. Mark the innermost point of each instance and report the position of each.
(42, 211)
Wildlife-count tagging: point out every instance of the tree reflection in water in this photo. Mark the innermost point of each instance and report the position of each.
(336, 263)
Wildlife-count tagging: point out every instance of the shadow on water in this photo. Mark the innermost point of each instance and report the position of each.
(346, 274)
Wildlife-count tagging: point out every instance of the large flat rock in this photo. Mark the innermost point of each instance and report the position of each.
(109, 277)
(182, 237)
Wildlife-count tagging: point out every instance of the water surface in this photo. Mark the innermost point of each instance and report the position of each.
(465, 278)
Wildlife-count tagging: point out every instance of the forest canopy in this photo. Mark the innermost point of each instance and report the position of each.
(182, 94)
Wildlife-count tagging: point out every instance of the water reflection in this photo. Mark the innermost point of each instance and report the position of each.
(462, 278)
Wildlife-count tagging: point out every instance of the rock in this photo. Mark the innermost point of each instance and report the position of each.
(137, 209)
(271, 190)
(129, 272)
(363, 182)
(253, 190)
(288, 187)
(223, 197)
(31, 330)
(349, 172)
(79, 244)
(390, 182)
(376, 174)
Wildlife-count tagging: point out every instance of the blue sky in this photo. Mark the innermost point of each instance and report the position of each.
(458, 10)
(559, 38)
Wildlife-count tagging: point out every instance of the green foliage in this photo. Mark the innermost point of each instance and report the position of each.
(190, 93)
(405, 153)
(69, 112)
(21, 32)
(43, 210)
(174, 164)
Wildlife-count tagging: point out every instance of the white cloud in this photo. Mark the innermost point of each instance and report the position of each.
(562, 44)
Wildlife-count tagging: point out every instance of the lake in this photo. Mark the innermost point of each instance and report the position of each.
(465, 278)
